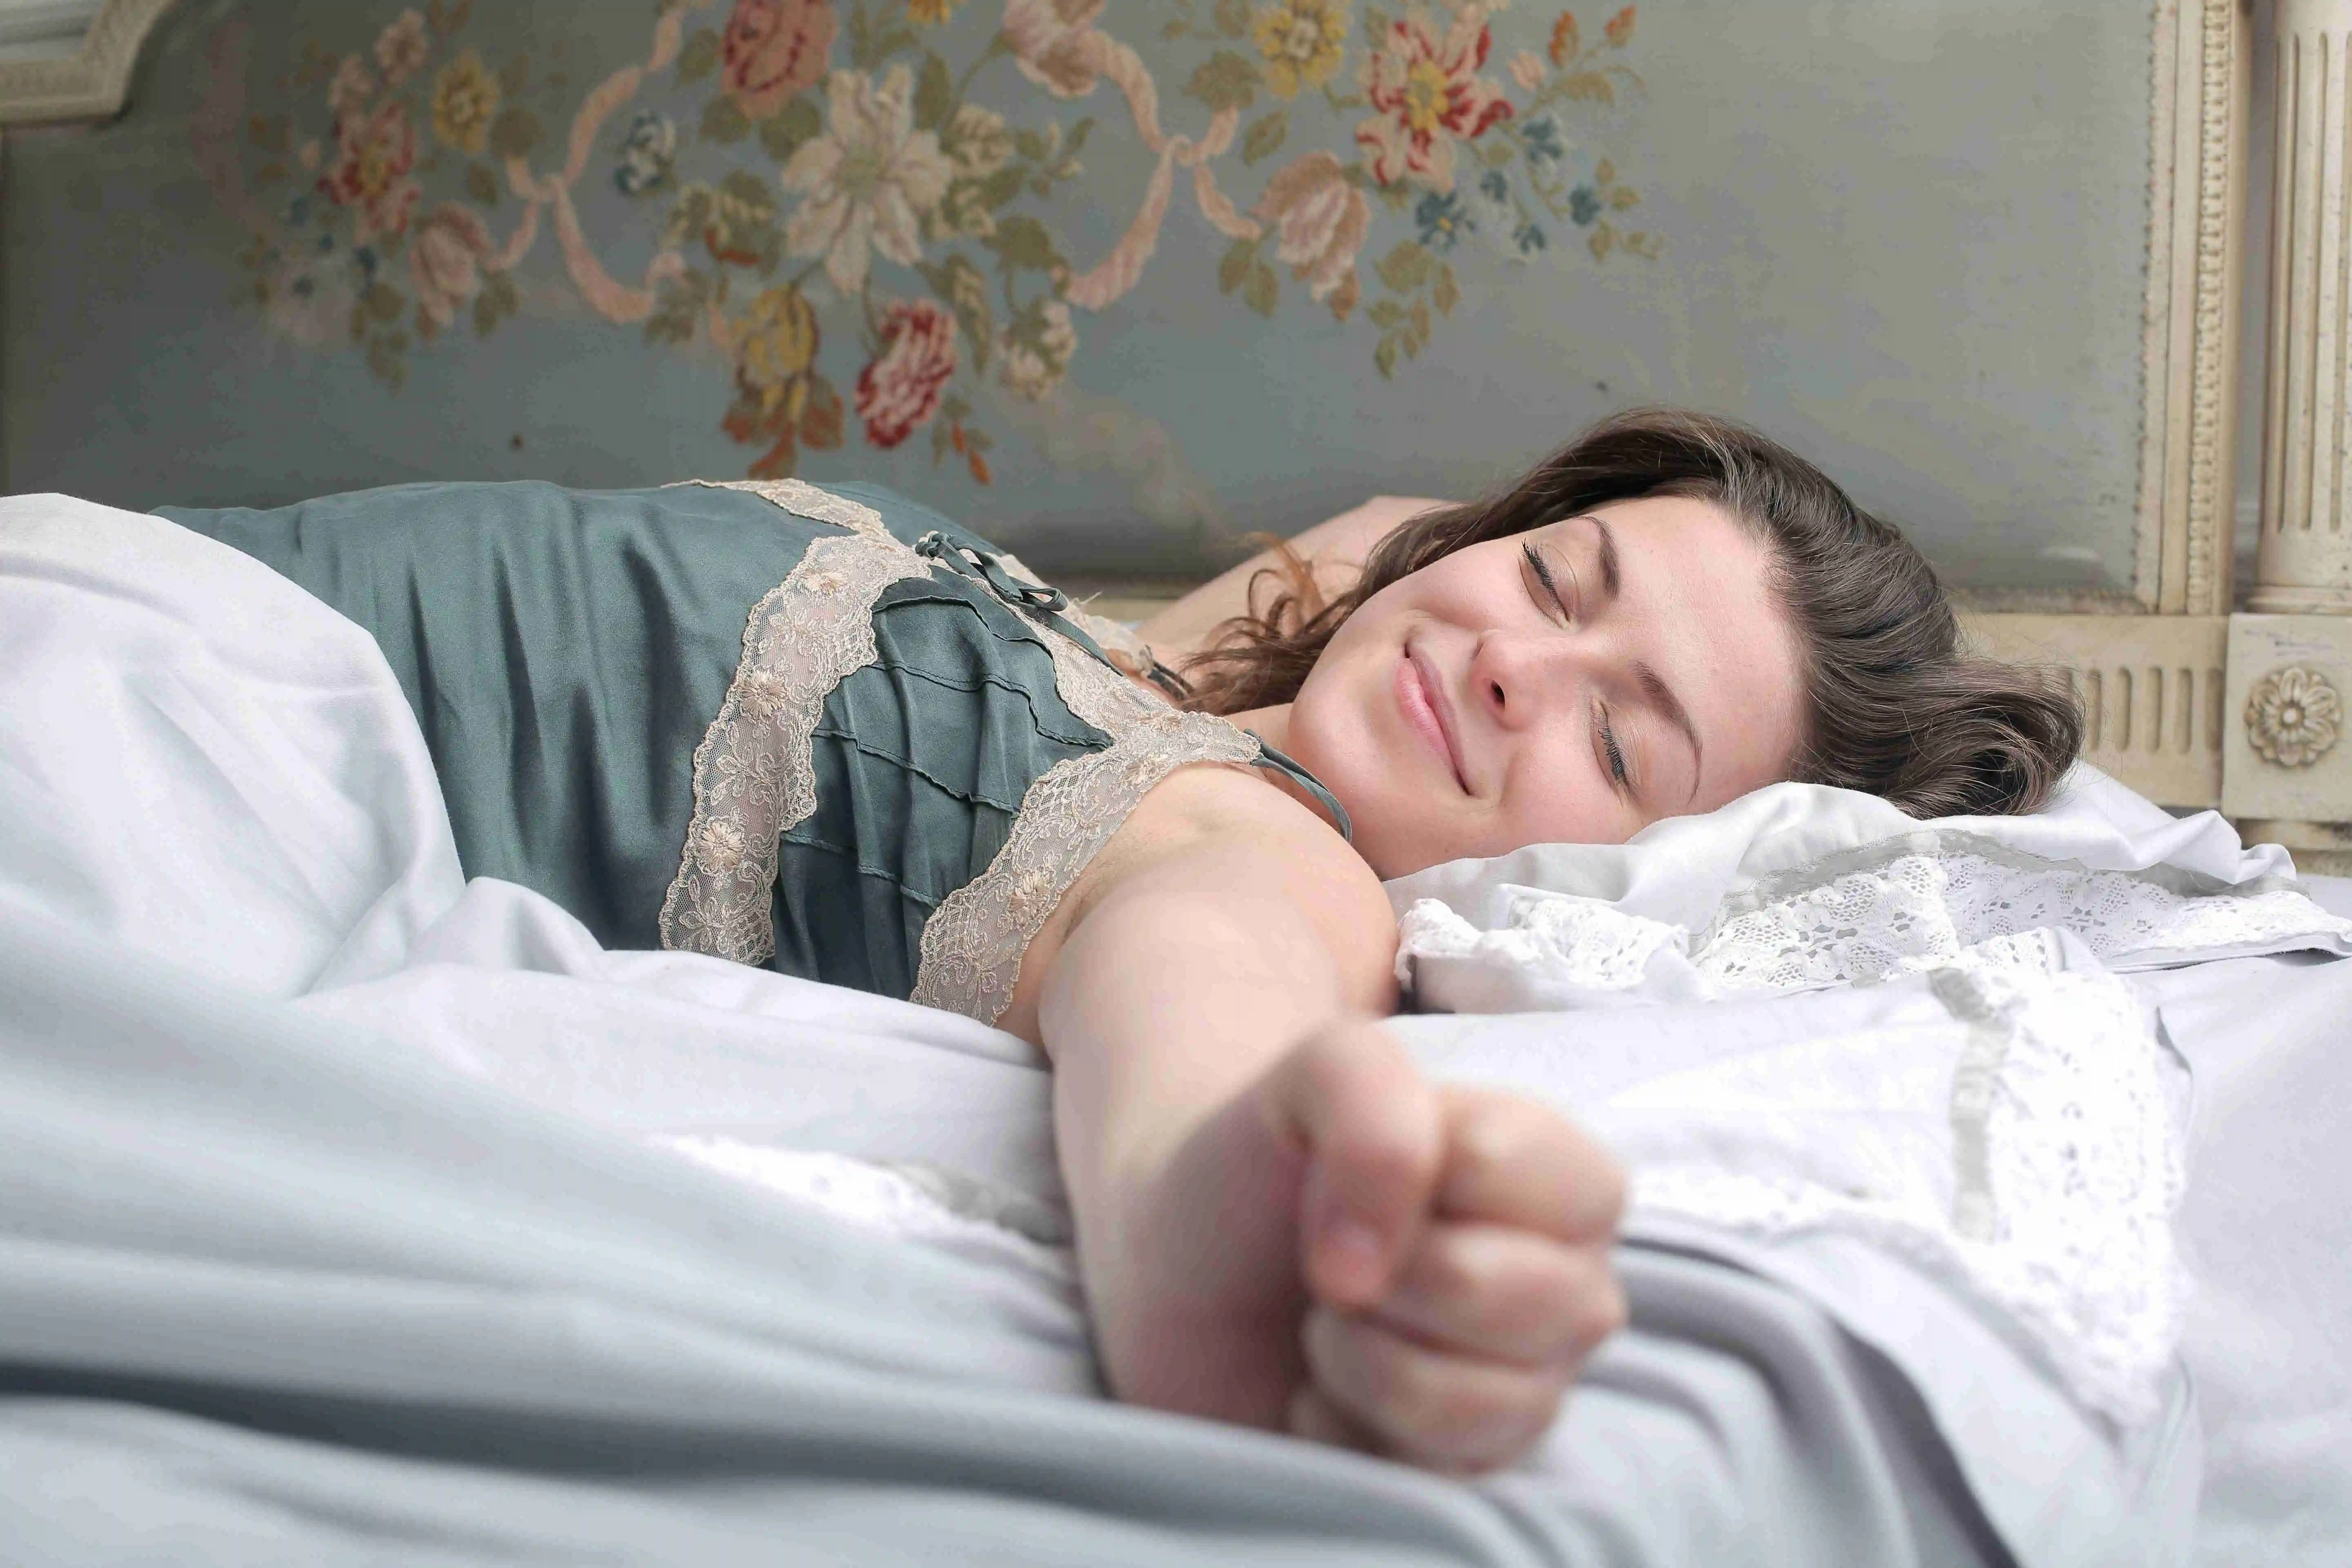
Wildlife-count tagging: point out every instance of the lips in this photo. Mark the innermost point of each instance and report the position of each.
(1423, 700)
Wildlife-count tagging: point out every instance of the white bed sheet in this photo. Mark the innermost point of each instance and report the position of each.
(283, 780)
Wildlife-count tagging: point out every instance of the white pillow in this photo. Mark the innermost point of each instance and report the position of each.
(1682, 868)
(1799, 886)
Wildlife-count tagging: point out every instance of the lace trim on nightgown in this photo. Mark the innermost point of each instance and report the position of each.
(754, 773)
(973, 944)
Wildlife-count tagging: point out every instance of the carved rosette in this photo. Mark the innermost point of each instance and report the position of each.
(2293, 716)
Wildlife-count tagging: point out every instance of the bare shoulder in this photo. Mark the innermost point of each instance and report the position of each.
(1225, 826)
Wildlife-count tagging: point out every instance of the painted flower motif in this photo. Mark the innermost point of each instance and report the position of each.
(1583, 205)
(773, 49)
(648, 153)
(1542, 140)
(775, 340)
(1319, 221)
(374, 155)
(1033, 354)
(465, 101)
(1443, 220)
(402, 47)
(977, 141)
(2292, 717)
(1302, 41)
(1051, 42)
(901, 390)
(349, 91)
(868, 181)
(1427, 91)
(930, 12)
(962, 214)
(1530, 237)
(1528, 69)
(445, 260)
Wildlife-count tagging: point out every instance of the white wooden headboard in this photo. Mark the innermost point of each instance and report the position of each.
(2200, 692)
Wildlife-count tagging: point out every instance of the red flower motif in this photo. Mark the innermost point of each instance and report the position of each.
(771, 50)
(374, 156)
(1427, 91)
(901, 389)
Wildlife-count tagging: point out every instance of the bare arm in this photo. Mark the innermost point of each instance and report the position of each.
(1224, 926)
(1337, 547)
(1280, 1221)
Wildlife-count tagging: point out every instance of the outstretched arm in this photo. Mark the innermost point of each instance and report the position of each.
(1280, 1222)
(1336, 547)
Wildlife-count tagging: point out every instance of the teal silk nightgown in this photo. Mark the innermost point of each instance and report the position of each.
(826, 731)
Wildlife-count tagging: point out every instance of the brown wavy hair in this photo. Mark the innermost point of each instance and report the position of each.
(1894, 708)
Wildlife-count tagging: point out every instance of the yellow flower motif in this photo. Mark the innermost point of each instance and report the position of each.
(1302, 41)
(465, 101)
(776, 339)
(931, 12)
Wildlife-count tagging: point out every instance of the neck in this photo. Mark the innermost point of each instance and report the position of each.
(1272, 725)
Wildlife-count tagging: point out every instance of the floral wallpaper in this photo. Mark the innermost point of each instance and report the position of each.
(861, 208)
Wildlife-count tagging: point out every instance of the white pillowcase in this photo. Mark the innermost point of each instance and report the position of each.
(1799, 886)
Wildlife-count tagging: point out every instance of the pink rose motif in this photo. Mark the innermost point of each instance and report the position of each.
(1319, 221)
(1050, 42)
(445, 260)
(374, 156)
(771, 50)
(901, 389)
(1427, 91)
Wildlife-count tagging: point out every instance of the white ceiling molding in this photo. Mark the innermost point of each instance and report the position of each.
(70, 59)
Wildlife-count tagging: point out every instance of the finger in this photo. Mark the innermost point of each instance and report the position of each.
(1370, 1123)
(1510, 1160)
(1427, 1407)
(1506, 1294)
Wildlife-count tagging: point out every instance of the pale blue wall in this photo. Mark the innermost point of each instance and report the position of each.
(1906, 236)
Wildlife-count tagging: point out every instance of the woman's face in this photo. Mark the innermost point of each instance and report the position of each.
(1569, 685)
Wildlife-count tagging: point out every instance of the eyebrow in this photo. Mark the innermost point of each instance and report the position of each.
(1653, 685)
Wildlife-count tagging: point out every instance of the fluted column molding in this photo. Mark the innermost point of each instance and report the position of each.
(2304, 558)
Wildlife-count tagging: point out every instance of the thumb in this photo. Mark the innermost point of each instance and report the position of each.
(1372, 1130)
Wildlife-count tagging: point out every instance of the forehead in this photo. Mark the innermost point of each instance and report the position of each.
(1696, 601)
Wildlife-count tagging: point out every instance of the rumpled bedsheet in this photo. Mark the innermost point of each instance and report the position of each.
(349, 1211)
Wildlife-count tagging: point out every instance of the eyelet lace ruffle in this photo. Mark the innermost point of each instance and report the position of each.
(2048, 1194)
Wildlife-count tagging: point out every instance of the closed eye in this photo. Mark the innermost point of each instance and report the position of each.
(1542, 569)
(1613, 753)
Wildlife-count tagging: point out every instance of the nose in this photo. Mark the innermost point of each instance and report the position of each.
(1514, 676)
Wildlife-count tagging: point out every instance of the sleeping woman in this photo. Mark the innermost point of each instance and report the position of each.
(830, 731)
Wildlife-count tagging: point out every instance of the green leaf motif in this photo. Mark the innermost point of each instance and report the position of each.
(723, 121)
(1447, 294)
(1225, 81)
(1407, 267)
(965, 288)
(1384, 357)
(1076, 139)
(1232, 18)
(1234, 270)
(481, 184)
(701, 56)
(514, 133)
(934, 93)
(1259, 292)
(1266, 136)
(1386, 313)
(783, 133)
(1022, 242)
(1001, 188)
